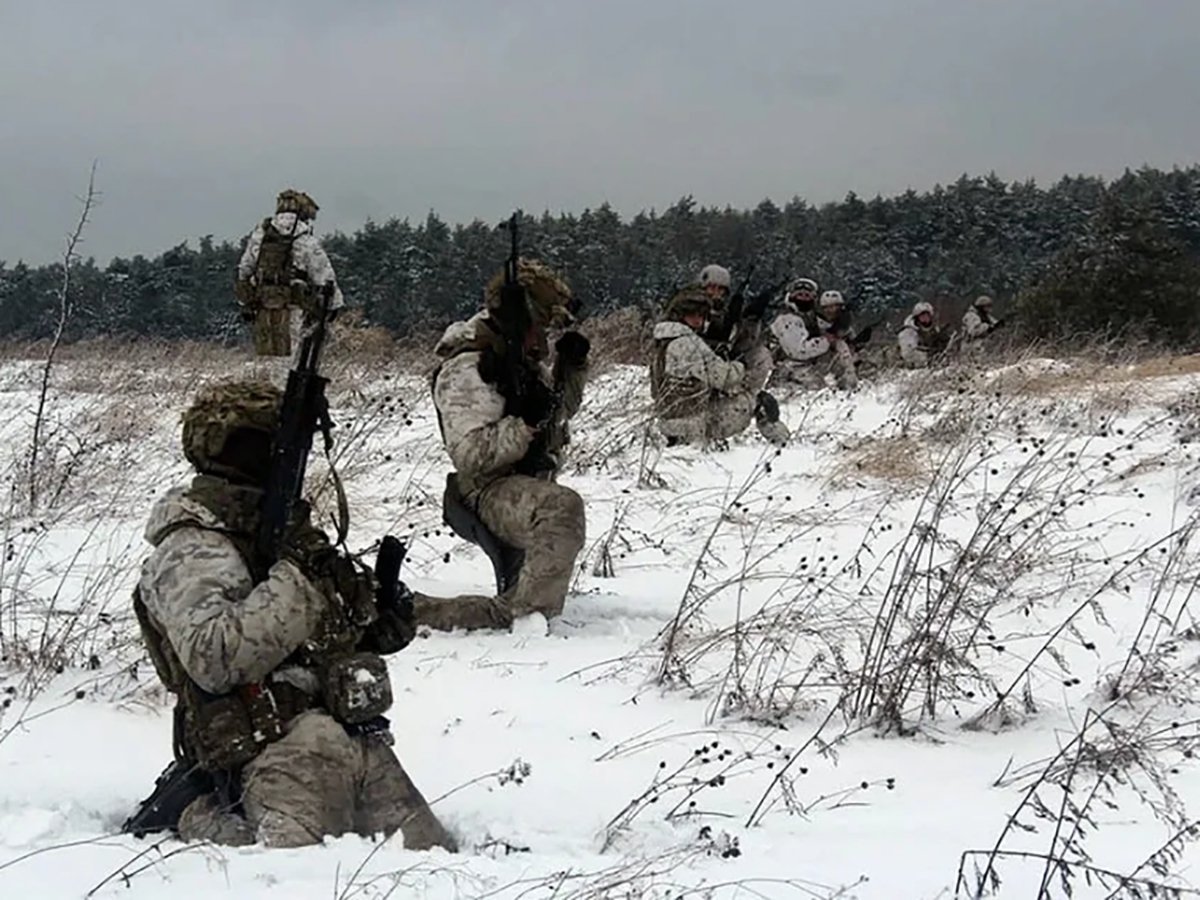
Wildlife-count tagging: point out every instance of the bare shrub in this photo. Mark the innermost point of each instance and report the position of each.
(899, 460)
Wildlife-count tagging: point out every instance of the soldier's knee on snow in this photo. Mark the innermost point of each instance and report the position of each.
(568, 518)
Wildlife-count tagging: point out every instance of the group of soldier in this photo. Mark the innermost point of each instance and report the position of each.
(274, 652)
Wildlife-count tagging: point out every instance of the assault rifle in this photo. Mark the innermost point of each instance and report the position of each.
(174, 790)
(304, 411)
(514, 318)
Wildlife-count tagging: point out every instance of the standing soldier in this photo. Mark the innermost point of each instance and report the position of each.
(503, 415)
(978, 321)
(921, 340)
(698, 396)
(284, 276)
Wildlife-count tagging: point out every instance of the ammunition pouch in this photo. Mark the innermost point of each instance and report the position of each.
(356, 688)
(273, 305)
(273, 331)
(224, 732)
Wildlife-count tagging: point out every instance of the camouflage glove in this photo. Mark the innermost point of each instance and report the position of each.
(310, 551)
(572, 348)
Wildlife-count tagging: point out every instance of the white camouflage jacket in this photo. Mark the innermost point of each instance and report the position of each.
(690, 358)
(974, 325)
(796, 341)
(198, 591)
(912, 351)
(307, 254)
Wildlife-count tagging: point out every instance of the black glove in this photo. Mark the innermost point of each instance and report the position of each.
(572, 348)
(998, 323)
(247, 313)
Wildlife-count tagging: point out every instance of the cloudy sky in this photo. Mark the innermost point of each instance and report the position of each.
(199, 112)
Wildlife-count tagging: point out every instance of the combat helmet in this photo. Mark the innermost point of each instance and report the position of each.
(716, 275)
(298, 202)
(219, 410)
(921, 309)
(547, 297)
(689, 301)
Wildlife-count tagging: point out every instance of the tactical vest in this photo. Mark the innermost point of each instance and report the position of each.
(221, 733)
(674, 398)
(278, 283)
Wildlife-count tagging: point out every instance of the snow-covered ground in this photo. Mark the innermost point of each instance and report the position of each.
(721, 707)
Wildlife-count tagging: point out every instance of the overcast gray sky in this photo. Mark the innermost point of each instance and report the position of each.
(199, 112)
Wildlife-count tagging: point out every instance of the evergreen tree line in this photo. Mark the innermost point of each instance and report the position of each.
(1081, 257)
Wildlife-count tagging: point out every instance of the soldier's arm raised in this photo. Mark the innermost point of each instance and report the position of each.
(225, 631)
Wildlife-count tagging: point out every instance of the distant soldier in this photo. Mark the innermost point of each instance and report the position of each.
(978, 321)
(284, 276)
(922, 342)
(815, 341)
(698, 396)
(717, 284)
(503, 412)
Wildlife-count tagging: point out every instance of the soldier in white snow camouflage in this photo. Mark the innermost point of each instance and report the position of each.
(503, 414)
(921, 340)
(978, 321)
(698, 396)
(811, 340)
(260, 653)
(285, 275)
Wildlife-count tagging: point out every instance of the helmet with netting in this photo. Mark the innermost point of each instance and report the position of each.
(690, 301)
(547, 297)
(298, 202)
(218, 411)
